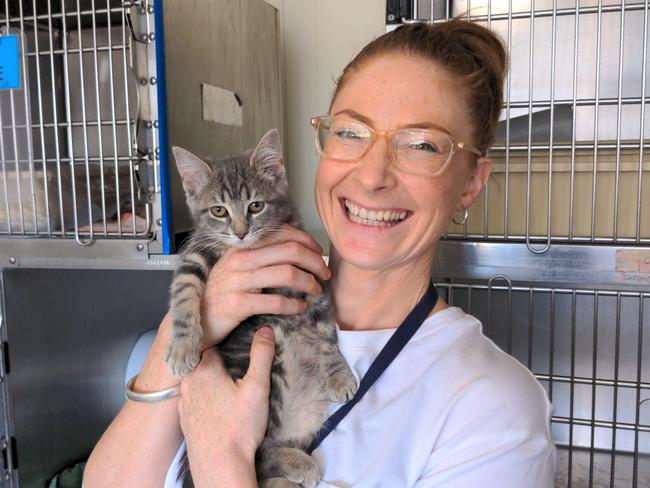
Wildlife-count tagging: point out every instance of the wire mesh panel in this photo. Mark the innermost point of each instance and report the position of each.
(573, 140)
(590, 351)
(570, 166)
(76, 131)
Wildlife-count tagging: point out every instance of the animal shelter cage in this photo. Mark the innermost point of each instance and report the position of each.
(79, 146)
(88, 208)
(553, 258)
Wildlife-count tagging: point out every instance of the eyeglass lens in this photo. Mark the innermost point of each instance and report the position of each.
(417, 151)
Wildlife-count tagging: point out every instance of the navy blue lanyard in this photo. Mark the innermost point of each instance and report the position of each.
(389, 352)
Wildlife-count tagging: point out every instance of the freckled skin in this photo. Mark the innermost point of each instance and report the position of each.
(376, 265)
(420, 91)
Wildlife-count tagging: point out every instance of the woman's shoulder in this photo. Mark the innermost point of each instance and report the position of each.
(493, 420)
(477, 372)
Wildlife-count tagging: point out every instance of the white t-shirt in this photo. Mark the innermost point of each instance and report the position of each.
(452, 410)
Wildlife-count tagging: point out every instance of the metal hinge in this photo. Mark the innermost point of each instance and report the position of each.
(9, 459)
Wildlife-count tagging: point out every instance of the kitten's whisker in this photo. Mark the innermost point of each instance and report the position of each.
(273, 231)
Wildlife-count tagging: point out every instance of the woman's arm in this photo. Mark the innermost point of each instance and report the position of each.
(139, 445)
(224, 421)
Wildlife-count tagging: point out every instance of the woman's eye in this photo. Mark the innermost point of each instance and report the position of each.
(348, 134)
(256, 207)
(218, 211)
(425, 146)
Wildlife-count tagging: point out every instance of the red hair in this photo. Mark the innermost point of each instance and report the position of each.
(473, 53)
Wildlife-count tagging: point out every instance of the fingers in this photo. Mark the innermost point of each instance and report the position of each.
(261, 359)
(292, 252)
(248, 304)
(288, 233)
(284, 275)
(288, 258)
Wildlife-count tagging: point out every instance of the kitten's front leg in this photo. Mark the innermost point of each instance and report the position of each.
(340, 383)
(183, 353)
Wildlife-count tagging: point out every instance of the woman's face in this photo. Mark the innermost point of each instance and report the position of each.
(390, 92)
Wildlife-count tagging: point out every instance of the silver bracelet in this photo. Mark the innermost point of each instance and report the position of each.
(152, 396)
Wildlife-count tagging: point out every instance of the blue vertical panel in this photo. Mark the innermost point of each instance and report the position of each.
(165, 195)
(9, 62)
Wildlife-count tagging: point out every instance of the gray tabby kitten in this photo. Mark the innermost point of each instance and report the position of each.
(235, 201)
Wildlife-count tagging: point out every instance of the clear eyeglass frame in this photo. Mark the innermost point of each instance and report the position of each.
(326, 120)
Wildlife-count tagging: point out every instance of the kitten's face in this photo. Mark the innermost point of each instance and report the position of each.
(237, 199)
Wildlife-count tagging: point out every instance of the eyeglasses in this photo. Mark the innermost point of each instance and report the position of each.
(417, 151)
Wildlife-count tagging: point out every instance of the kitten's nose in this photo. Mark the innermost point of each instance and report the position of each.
(241, 235)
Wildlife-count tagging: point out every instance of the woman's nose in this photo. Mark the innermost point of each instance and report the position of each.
(375, 171)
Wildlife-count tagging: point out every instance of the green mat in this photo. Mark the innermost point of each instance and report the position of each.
(69, 478)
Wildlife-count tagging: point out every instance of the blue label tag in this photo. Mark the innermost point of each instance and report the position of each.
(9, 64)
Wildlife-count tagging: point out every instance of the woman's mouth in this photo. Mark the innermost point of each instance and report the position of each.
(374, 217)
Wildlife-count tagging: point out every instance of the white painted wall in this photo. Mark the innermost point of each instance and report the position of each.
(318, 38)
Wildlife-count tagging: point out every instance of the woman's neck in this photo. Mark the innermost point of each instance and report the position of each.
(376, 299)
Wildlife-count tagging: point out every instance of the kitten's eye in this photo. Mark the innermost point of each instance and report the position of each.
(256, 207)
(218, 211)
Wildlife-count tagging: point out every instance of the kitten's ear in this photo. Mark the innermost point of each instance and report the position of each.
(267, 156)
(194, 172)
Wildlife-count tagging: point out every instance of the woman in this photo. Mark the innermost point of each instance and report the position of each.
(402, 149)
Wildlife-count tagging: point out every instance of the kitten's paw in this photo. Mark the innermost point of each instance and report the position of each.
(182, 357)
(292, 464)
(278, 483)
(341, 386)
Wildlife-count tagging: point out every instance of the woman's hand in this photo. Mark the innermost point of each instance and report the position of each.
(288, 258)
(224, 421)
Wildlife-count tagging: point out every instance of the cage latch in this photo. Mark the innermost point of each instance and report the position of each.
(145, 176)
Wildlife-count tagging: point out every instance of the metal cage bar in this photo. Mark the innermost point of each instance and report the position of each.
(572, 146)
(574, 137)
(586, 348)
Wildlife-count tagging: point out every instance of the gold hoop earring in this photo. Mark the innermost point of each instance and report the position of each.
(465, 215)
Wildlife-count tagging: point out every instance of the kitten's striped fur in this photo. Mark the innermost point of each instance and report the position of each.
(308, 371)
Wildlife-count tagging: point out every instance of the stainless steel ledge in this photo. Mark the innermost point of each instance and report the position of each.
(67, 253)
(582, 265)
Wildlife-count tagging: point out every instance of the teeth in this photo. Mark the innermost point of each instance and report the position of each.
(380, 218)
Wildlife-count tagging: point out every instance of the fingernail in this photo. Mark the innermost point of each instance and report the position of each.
(266, 332)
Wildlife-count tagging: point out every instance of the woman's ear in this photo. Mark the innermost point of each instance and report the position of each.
(475, 182)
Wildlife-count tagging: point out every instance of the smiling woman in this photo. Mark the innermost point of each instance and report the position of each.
(414, 100)
(402, 149)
